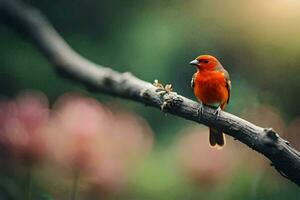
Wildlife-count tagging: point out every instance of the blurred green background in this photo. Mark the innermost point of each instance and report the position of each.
(256, 41)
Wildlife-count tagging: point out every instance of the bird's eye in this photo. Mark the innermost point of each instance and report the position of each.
(206, 61)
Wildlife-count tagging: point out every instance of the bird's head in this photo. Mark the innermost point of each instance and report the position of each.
(205, 63)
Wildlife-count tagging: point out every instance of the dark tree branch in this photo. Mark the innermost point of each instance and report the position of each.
(31, 23)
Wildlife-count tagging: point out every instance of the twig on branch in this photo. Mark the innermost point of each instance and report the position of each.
(31, 23)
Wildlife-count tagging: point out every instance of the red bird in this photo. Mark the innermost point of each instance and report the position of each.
(211, 85)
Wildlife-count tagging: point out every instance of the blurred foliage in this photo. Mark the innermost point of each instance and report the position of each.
(257, 41)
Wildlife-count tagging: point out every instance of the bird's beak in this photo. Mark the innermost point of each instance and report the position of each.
(194, 62)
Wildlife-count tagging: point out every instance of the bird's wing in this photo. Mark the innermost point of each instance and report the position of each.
(228, 83)
(193, 81)
(228, 86)
(220, 68)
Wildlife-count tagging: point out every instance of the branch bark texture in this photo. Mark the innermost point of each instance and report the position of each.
(32, 24)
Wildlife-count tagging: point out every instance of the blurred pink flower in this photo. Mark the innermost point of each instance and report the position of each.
(22, 124)
(202, 164)
(102, 145)
(75, 128)
(129, 139)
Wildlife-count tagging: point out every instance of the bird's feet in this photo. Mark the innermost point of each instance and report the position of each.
(217, 112)
(161, 89)
(200, 111)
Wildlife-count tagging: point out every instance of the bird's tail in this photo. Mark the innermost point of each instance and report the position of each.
(216, 137)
